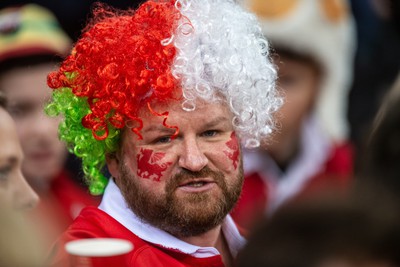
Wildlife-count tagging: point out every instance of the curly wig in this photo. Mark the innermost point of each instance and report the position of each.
(163, 51)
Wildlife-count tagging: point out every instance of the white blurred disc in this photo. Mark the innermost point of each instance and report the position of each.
(98, 247)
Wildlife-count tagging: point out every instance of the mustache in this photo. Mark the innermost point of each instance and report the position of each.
(185, 175)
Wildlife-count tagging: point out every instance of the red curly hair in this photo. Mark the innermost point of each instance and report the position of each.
(124, 67)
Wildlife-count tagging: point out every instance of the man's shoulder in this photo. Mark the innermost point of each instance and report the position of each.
(93, 222)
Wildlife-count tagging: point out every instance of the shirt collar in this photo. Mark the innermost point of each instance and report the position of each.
(113, 203)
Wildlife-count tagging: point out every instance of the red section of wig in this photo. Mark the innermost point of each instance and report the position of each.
(120, 65)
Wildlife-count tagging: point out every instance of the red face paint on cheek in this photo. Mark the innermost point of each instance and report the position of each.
(233, 152)
(150, 164)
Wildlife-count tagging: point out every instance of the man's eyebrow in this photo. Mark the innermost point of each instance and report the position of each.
(162, 129)
(159, 129)
(217, 122)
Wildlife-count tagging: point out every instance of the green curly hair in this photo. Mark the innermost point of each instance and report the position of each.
(118, 66)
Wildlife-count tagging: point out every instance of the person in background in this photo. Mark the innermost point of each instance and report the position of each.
(31, 45)
(164, 95)
(15, 191)
(378, 169)
(313, 43)
(327, 231)
(18, 246)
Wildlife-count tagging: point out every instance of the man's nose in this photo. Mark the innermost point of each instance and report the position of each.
(191, 156)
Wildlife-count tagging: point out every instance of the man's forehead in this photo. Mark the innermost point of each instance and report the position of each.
(205, 113)
(178, 106)
(207, 122)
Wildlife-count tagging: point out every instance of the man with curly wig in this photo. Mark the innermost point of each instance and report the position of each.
(164, 96)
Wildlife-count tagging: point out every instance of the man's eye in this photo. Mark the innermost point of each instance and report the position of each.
(209, 133)
(163, 140)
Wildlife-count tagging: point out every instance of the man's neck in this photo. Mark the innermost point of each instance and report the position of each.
(213, 238)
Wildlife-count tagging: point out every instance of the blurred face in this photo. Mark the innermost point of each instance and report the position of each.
(300, 81)
(14, 190)
(186, 185)
(27, 93)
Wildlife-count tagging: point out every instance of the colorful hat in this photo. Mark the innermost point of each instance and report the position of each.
(324, 30)
(30, 30)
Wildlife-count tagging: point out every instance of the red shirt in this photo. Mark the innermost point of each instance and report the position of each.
(93, 222)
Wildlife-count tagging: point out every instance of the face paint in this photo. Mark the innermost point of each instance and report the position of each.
(233, 152)
(150, 165)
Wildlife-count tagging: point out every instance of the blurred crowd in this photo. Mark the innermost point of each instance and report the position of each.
(323, 190)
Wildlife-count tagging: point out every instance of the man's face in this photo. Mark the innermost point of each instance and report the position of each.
(300, 82)
(28, 93)
(186, 185)
(14, 190)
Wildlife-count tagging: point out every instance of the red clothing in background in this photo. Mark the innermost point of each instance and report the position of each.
(258, 190)
(59, 206)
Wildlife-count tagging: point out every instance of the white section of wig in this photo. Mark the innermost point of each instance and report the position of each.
(221, 51)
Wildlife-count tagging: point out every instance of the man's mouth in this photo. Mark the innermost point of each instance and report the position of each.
(197, 185)
(196, 182)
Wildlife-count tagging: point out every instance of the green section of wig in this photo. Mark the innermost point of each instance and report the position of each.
(80, 140)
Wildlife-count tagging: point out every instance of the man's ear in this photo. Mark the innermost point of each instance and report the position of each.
(112, 160)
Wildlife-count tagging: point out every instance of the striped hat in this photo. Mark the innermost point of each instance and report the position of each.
(30, 30)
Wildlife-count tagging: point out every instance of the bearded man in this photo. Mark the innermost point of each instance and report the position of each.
(165, 95)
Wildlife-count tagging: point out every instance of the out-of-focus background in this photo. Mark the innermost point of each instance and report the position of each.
(377, 61)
